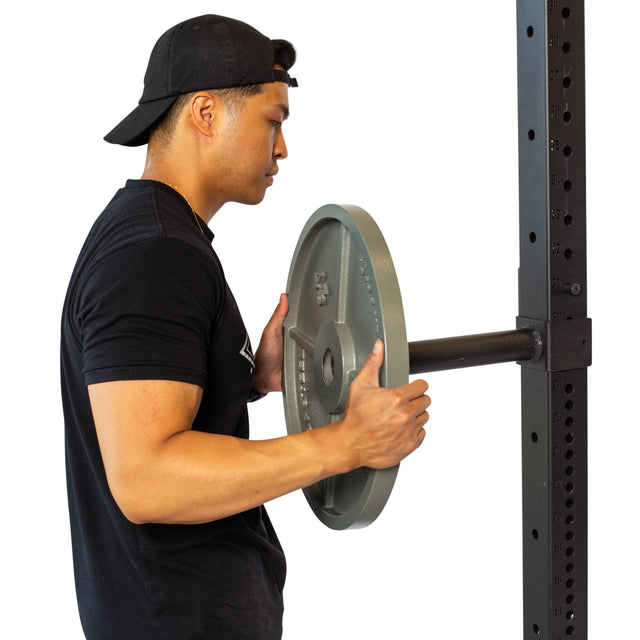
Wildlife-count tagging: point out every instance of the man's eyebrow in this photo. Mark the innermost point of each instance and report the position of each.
(285, 110)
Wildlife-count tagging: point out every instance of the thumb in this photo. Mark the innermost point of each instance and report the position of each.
(280, 313)
(283, 306)
(370, 371)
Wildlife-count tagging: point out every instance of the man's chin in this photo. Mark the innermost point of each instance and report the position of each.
(252, 199)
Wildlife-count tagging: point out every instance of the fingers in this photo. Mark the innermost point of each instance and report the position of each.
(418, 415)
(413, 399)
(416, 389)
(420, 405)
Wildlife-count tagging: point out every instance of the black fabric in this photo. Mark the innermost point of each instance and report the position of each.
(148, 300)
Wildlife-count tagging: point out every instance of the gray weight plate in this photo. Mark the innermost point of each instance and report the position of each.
(343, 295)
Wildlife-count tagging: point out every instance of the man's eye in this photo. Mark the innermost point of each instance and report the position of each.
(276, 123)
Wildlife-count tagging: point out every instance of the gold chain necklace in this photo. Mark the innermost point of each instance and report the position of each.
(195, 215)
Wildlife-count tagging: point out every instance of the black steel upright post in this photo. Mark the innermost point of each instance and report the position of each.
(553, 301)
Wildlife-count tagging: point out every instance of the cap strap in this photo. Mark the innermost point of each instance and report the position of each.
(283, 76)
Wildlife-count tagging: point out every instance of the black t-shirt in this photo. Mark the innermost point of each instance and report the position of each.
(148, 300)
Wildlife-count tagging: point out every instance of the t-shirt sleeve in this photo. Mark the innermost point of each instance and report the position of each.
(148, 312)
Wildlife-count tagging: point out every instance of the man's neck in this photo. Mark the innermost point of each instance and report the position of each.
(182, 180)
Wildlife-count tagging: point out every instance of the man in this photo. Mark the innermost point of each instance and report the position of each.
(170, 538)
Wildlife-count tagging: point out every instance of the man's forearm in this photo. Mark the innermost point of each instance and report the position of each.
(197, 477)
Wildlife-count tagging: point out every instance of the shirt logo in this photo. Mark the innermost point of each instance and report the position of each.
(247, 353)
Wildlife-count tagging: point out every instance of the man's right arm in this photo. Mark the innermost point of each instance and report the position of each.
(160, 470)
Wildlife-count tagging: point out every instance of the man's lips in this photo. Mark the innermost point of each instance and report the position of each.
(271, 175)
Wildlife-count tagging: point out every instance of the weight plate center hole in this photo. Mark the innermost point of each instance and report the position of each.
(328, 368)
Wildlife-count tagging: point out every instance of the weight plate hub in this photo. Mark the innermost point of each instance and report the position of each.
(343, 295)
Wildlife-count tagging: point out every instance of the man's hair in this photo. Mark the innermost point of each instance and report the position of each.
(233, 98)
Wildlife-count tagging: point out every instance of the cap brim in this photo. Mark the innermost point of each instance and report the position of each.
(133, 131)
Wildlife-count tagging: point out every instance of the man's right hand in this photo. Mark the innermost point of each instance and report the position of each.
(381, 426)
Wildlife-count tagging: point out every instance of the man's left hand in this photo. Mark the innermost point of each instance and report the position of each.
(268, 374)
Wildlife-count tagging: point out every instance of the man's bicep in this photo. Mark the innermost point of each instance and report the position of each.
(133, 418)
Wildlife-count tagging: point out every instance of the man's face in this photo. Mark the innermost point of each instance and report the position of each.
(250, 144)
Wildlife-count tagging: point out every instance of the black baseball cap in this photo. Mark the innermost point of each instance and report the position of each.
(208, 52)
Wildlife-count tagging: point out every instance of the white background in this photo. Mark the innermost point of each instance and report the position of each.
(409, 110)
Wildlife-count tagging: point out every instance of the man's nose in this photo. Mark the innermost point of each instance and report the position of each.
(280, 148)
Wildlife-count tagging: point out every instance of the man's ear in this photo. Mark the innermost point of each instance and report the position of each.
(205, 109)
